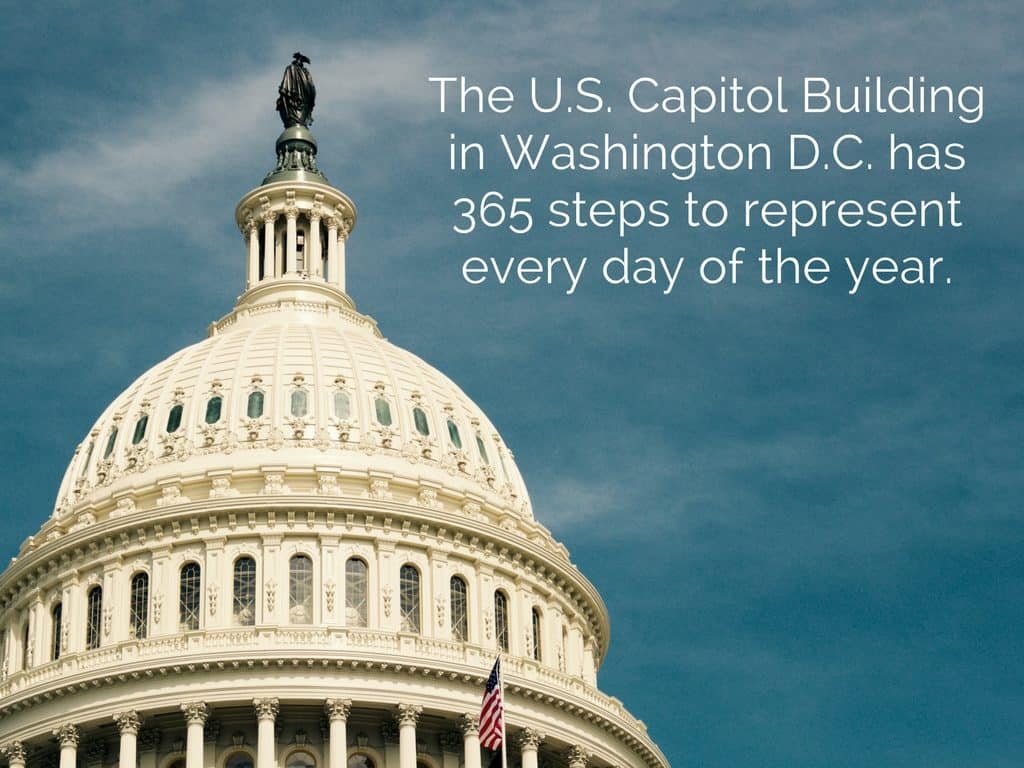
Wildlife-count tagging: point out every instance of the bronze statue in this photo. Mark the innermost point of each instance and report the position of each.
(297, 93)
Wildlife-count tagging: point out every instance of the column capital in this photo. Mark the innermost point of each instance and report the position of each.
(577, 756)
(469, 725)
(14, 751)
(67, 735)
(408, 714)
(529, 738)
(196, 712)
(266, 709)
(338, 709)
(128, 722)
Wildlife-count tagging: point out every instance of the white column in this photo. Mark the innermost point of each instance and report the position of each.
(254, 253)
(470, 726)
(340, 248)
(577, 757)
(266, 747)
(14, 751)
(332, 250)
(314, 263)
(268, 247)
(408, 714)
(68, 737)
(291, 215)
(128, 724)
(529, 741)
(195, 716)
(337, 713)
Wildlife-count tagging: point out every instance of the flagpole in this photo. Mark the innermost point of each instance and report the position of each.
(504, 739)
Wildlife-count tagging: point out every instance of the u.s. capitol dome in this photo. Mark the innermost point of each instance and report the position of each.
(296, 545)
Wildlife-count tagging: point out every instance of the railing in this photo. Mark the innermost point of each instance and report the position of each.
(270, 642)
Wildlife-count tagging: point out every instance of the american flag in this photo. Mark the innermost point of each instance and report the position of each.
(492, 711)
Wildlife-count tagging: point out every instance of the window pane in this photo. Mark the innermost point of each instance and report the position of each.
(420, 420)
(174, 418)
(139, 608)
(300, 590)
(300, 403)
(536, 635)
(254, 409)
(501, 619)
(244, 602)
(356, 589)
(88, 455)
(409, 594)
(383, 409)
(453, 434)
(140, 429)
(24, 645)
(110, 443)
(189, 596)
(94, 618)
(342, 407)
(238, 760)
(483, 451)
(460, 609)
(55, 652)
(213, 410)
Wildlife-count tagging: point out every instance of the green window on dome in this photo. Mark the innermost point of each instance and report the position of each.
(85, 468)
(140, 429)
(483, 451)
(254, 408)
(300, 403)
(342, 406)
(453, 434)
(110, 443)
(213, 406)
(420, 420)
(174, 418)
(383, 409)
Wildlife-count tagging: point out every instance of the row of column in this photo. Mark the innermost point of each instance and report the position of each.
(196, 714)
(337, 234)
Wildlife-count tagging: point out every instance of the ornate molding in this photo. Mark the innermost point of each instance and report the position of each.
(196, 712)
(128, 722)
(338, 709)
(68, 735)
(266, 709)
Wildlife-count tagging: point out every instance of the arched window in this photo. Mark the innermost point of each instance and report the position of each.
(243, 605)
(174, 418)
(55, 614)
(535, 620)
(300, 403)
(356, 589)
(563, 650)
(140, 429)
(110, 443)
(483, 451)
(342, 406)
(453, 434)
(300, 759)
(138, 613)
(300, 590)
(501, 619)
(238, 760)
(88, 455)
(361, 760)
(383, 410)
(409, 598)
(93, 617)
(189, 596)
(254, 408)
(419, 418)
(300, 249)
(459, 595)
(213, 406)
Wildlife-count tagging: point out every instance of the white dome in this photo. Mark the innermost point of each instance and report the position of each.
(328, 382)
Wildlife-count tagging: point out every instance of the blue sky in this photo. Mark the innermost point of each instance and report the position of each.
(803, 510)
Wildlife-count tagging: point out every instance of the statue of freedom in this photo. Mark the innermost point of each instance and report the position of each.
(297, 93)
